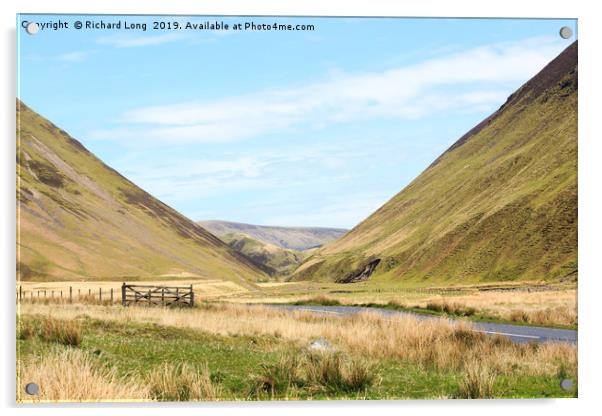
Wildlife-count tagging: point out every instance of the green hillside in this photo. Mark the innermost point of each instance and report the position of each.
(499, 205)
(80, 219)
(276, 261)
(294, 238)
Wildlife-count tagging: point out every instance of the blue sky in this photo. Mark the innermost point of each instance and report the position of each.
(297, 128)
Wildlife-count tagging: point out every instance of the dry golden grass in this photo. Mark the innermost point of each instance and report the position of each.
(182, 382)
(69, 375)
(550, 316)
(52, 330)
(478, 381)
(82, 299)
(318, 372)
(434, 343)
(454, 308)
(558, 307)
(551, 307)
(62, 332)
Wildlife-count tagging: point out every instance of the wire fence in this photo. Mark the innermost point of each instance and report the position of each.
(126, 295)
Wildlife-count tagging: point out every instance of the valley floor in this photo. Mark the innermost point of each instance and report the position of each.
(225, 351)
(527, 303)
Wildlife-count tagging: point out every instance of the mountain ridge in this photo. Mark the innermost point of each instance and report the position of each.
(295, 238)
(78, 218)
(499, 204)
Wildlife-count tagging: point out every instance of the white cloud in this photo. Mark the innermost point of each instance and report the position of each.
(410, 91)
(246, 167)
(75, 56)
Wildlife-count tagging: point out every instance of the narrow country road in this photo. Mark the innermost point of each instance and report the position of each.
(517, 333)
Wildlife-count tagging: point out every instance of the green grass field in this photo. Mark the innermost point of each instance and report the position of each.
(258, 367)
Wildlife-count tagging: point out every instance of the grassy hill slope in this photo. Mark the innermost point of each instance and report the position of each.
(500, 204)
(80, 219)
(295, 238)
(276, 261)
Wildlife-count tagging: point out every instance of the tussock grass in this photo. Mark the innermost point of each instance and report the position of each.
(278, 379)
(26, 330)
(182, 382)
(435, 343)
(49, 329)
(548, 308)
(397, 304)
(314, 372)
(61, 331)
(451, 308)
(318, 300)
(478, 381)
(548, 316)
(557, 307)
(70, 375)
(335, 373)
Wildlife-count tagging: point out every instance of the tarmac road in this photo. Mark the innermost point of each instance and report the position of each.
(517, 333)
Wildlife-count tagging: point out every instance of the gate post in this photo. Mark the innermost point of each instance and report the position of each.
(123, 294)
(191, 297)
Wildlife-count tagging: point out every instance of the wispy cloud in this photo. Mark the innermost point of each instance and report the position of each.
(466, 81)
(132, 41)
(344, 212)
(177, 178)
(76, 56)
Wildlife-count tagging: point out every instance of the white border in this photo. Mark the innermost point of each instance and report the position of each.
(590, 160)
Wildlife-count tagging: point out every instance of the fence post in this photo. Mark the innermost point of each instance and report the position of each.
(31, 295)
(70, 294)
(111, 296)
(100, 294)
(123, 294)
(44, 294)
(79, 294)
(191, 296)
(162, 296)
(89, 292)
(20, 292)
(61, 295)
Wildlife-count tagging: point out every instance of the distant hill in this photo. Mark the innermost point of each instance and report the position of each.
(80, 219)
(295, 238)
(500, 204)
(276, 261)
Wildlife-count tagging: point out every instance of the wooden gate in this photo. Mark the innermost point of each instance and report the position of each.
(157, 295)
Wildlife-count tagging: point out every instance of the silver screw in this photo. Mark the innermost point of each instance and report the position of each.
(566, 32)
(32, 389)
(32, 28)
(566, 384)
